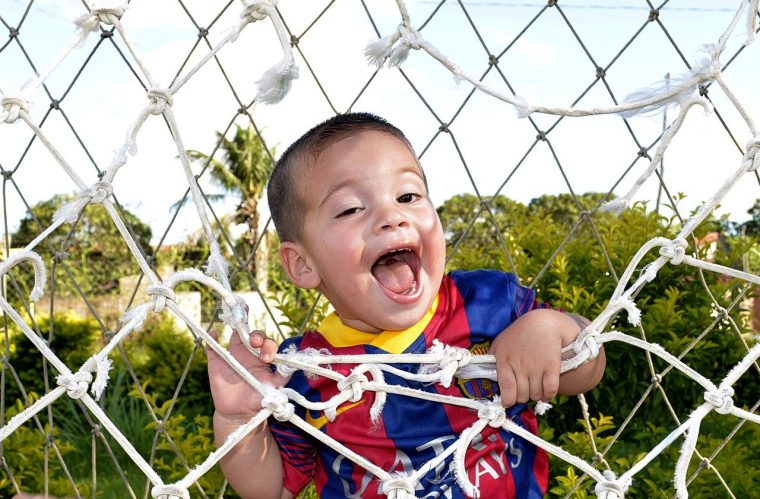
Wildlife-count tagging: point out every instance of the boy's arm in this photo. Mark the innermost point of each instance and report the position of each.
(586, 376)
(254, 466)
(528, 355)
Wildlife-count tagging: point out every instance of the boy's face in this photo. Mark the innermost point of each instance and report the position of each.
(372, 241)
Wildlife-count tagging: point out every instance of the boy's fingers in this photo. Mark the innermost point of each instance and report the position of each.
(234, 340)
(210, 355)
(537, 387)
(551, 383)
(507, 385)
(209, 352)
(257, 339)
(268, 349)
(522, 384)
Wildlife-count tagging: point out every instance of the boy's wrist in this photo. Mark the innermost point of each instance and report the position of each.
(233, 419)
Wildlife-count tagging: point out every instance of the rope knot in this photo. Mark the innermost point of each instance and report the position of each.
(634, 314)
(452, 359)
(160, 294)
(708, 67)
(98, 192)
(235, 313)
(752, 158)
(410, 37)
(277, 402)
(355, 382)
(493, 412)
(169, 492)
(587, 342)
(159, 99)
(12, 107)
(611, 487)
(398, 488)
(100, 367)
(109, 14)
(76, 384)
(308, 355)
(721, 399)
(395, 47)
(675, 251)
(256, 11)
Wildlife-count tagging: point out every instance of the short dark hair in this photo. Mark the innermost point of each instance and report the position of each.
(285, 201)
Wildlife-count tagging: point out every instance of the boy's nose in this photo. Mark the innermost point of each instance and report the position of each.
(392, 219)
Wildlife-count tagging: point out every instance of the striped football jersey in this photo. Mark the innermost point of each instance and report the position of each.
(471, 309)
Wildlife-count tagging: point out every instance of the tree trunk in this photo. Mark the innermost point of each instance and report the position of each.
(257, 265)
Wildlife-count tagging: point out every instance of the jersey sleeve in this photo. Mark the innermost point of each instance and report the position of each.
(492, 301)
(524, 298)
(297, 450)
(297, 455)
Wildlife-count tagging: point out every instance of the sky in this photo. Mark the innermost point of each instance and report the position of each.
(543, 64)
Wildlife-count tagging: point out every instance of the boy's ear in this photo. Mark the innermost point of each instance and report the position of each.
(297, 266)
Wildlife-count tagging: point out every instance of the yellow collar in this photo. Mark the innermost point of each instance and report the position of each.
(340, 335)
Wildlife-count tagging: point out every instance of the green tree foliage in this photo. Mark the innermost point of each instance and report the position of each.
(678, 313)
(194, 253)
(244, 169)
(752, 226)
(587, 251)
(93, 249)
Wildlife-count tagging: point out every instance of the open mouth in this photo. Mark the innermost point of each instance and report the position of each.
(397, 271)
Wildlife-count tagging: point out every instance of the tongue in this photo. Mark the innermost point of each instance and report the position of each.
(396, 276)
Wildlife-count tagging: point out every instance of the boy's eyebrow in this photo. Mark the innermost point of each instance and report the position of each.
(336, 188)
(415, 170)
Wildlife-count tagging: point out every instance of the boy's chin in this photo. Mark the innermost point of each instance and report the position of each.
(403, 320)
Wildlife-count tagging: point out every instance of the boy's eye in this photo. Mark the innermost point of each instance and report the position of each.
(408, 197)
(349, 211)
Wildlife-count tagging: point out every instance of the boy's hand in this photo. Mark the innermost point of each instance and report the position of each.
(528, 355)
(233, 397)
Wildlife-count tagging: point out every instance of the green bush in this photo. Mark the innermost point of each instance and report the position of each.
(92, 249)
(182, 444)
(677, 308)
(580, 277)
(160, 354)
(25, 451)
(74, 339)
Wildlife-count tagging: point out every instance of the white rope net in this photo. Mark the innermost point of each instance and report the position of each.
(26, 107)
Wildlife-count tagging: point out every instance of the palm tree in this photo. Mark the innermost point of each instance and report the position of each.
(245, 168)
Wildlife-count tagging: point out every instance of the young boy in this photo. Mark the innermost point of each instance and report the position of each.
(350, 204)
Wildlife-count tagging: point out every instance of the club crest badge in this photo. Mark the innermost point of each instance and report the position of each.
(478, 388)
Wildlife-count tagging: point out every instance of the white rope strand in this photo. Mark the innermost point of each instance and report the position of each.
(367, 374)
(22, 417)
(623, 202)
(215, 262)
(40, 273)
